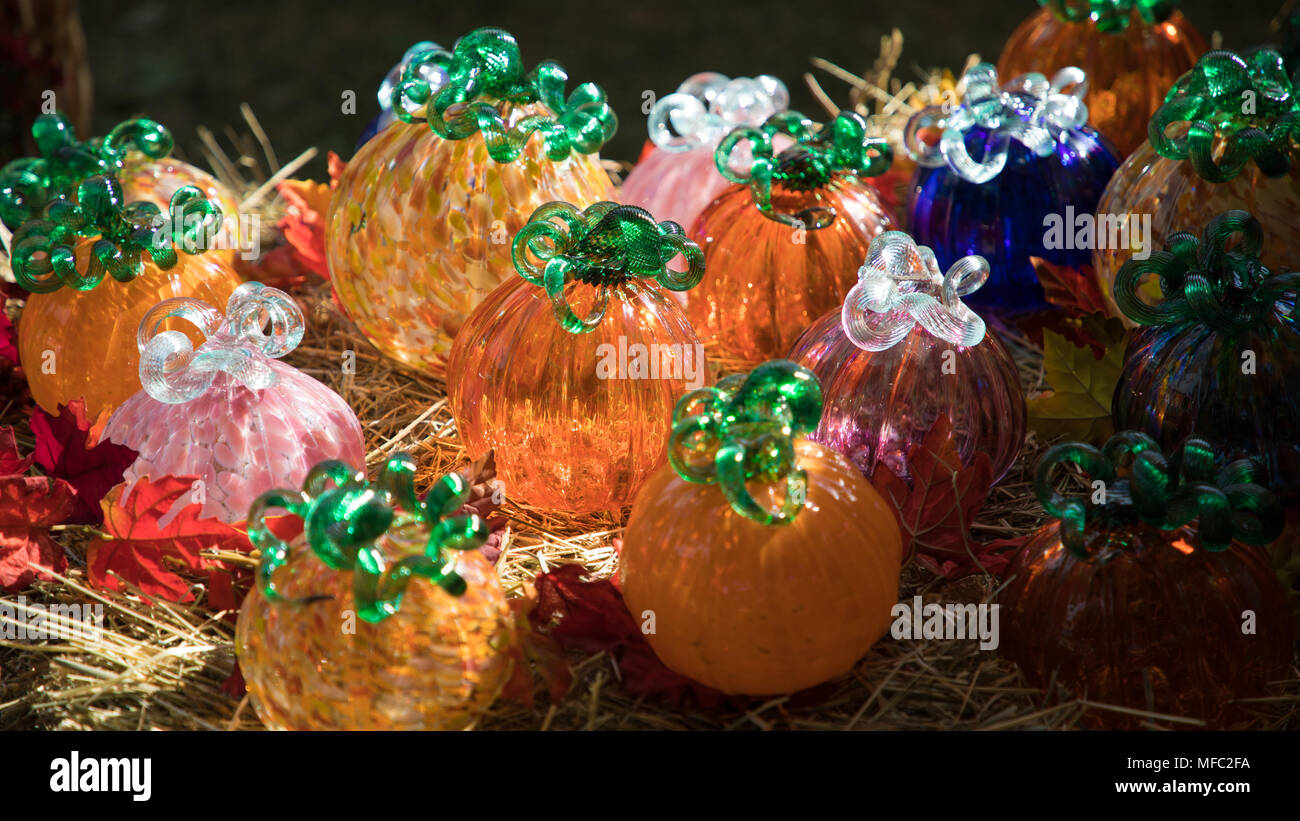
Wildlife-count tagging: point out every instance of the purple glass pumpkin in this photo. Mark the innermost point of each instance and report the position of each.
(902, 351)
(1014, 169)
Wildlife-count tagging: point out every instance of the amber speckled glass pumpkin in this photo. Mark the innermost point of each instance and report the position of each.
(334, 638)
(1128, 603)
(1131, 58)
(572, 383)
(783, 245)
(418, 231)
(769, 564)
(1189, 173)
(76, 333)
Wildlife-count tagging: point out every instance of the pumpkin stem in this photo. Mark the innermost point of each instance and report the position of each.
(1111, 16)
(1226, 289)
(459, 92)
(605, 246)
(817, 155)
(1130, 479)
(344, 518)
(742, 429)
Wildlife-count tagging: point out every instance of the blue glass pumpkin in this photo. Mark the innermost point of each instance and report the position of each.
(1009, 162)
(1219, 353)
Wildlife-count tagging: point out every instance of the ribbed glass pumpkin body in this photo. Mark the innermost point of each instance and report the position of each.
(879, 403)
(419, 230)
(240, 442)
(578, 421)
(1150, 611)
(82, 344)
(766, 281)
(1177, 199)
(1240, 388)
(760, 609)
(1004, 219)
(1128, 71)
(438, 663)
(674, 185)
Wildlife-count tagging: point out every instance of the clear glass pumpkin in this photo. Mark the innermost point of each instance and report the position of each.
(419, 229)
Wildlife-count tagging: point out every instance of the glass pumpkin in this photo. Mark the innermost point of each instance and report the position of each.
(78, 200)
(903, 351)
(230, 413)
(572, 383)
(418, 230)
(781, 245)
(433, 638)
(769, 563)
(1131, 53)
(1219, 352)
(1009, 160)
(678, 178)
(1117, 601)
(1217, 164)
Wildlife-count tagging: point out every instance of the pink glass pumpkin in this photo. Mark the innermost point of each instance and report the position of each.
(679, 176)
(903, 350)
(229, 412)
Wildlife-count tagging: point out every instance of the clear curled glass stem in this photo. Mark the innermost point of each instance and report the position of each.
(1029, 109)
(172, 371)
(899, 287)
(708, 105)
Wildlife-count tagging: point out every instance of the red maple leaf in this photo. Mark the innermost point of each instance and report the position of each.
(29, 505)
(8, 338)
(64, 451)
(151, 555)
(1074, 290)
(590, 616)
(936, 509)
(11, 461)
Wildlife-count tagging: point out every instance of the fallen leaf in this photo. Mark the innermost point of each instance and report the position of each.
(63, 451)
(487, 494)
(29, 506)
(935, 510)
(8, 338)
(12, 462)
(149, 556)
(1074, 290)
(1078, 407)
(536, 651)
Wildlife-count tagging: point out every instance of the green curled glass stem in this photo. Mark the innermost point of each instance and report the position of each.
(603, 247)
(743, 429)
(72, 192)
(485, 69)
(345, 517)
(1210, 280)
(1111, 16)
(1131, 480)
(1238, 109)
(811, 162)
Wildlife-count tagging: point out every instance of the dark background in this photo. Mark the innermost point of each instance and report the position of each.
(188, 63)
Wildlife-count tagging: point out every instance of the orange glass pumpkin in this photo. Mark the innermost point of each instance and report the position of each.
(1130, 61)
(319, 651)
(744, 599)
(577, 409)
(1185, 180)
(783, 247)
(418, 231)
(1138, 611)
(77, 339)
